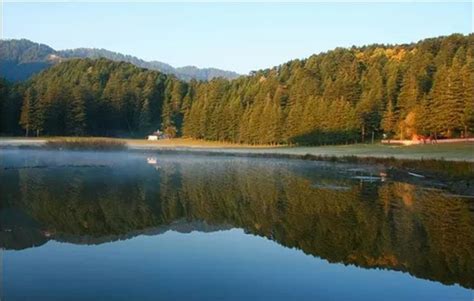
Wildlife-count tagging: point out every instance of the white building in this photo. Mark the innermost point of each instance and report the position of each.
(157, 135)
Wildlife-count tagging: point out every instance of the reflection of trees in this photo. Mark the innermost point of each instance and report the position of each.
(390, 225)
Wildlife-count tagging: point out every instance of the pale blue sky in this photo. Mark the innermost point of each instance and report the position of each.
(232, 36)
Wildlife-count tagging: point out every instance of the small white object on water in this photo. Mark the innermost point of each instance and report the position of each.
(151, 160)
(367, 178)
(416, 175)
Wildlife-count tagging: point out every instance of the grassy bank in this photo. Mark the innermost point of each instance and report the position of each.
(452, 164)
(448, 152)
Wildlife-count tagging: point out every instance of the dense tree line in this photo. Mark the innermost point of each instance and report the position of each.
(345, 95)
(341, 96)
(100, 97)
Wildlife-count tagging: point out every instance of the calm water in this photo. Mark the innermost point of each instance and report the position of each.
(88, 226)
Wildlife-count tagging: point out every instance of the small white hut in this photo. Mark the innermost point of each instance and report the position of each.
(152, 137)
(157, 135)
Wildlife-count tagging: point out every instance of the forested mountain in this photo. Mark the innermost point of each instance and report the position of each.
(341, 96)
(186, 73)
(20, 59)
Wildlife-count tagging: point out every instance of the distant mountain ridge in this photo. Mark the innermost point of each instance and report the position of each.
(20, 59)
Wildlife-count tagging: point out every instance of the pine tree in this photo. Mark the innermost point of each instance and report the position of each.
(448, 97)
(370, 105)
(437, 117)
(145, 123)
(29, 119)
(244, 131)
(77, 112)
(389, 120)
(408, 97)
(467, 118)
(294, 120)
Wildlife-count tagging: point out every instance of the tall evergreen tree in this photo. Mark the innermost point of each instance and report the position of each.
(76, 117)
(30, 119)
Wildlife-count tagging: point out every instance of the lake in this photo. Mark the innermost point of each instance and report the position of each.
(137, 226)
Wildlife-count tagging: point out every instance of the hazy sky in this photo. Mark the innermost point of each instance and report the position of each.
(233, 36)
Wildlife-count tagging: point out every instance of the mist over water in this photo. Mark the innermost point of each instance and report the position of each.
(89, 226)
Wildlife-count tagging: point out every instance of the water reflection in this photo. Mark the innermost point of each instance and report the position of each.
(327, 211)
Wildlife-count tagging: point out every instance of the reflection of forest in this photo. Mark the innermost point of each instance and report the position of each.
(390, 225)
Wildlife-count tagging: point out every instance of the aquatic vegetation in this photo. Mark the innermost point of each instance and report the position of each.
(97, 144)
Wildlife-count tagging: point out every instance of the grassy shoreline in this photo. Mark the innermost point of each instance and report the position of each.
(411, 162)
(446, 152)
